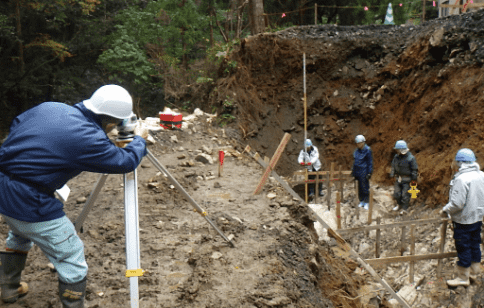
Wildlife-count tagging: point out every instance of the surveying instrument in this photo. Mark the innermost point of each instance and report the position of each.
(131, 214)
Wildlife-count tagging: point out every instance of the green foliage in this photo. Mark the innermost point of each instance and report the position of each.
(126, 57)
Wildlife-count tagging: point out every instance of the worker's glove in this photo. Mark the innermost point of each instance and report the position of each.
(308, 164)
(443, 214)
(368, 176)
(141, 130)
(302, 164)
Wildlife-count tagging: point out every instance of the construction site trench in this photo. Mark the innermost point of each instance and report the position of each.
(423, 84)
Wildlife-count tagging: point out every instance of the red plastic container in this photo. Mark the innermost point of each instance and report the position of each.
(168, 121)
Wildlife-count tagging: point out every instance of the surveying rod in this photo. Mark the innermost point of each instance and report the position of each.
(196, 207)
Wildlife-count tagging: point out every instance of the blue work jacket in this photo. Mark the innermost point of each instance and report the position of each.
(47, 146)
(363, 161)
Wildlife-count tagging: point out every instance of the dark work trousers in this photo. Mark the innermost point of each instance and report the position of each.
(363, 189)
(401, 194)
(311, 185)
(467, 243)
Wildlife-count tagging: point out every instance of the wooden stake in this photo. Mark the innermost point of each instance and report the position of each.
(338, 209)
(341, 182)
(329, 178)
(316, 187)
(402, 241)
(306, 185)
(272, 163)
(305, 101)
(443, 234)
(378, 234)
(356, 206)
(370, 208)
(412, 252)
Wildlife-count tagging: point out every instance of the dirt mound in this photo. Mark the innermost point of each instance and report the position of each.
(421, 83)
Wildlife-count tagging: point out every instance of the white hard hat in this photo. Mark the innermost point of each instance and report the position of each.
(360, 138)
(308, 143)
(111, 100)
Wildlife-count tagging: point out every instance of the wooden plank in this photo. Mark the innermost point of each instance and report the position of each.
(370, 208)
(431, 256)
(378, 235)
(392, 225)
(273, 162)
(443, 234)
(338, 209)
(316, 187)
(339, 240)
(322, 173)
(266, 159)
(411, 273)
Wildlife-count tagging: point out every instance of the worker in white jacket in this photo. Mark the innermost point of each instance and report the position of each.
(466, 209)
(309, 158)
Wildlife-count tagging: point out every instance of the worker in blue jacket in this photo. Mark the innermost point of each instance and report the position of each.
(47, 146)
(362, 170)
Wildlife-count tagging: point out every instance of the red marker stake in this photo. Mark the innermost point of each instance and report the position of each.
(221, 155)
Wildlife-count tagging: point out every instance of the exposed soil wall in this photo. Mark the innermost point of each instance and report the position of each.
(423, 84)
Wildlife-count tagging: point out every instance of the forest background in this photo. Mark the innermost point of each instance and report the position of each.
(166, 52)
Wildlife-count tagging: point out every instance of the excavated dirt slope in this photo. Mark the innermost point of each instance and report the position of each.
(423, 84)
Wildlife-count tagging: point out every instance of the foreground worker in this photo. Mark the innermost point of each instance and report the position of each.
(405, 170)
(47, 146)
(466, 210)
(362, 170)
(309, 158)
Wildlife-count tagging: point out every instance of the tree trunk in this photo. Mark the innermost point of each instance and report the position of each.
(256, 16)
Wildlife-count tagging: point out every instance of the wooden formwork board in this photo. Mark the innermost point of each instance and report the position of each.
(392, 225)
(411, 258)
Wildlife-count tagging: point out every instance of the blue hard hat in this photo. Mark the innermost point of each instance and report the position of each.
(360, 138)
(465, 155)
(308, 143)
(400, 145)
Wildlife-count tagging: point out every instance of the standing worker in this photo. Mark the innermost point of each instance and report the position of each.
(47, 146)
(362, 170)
(466, 211)
(310, 159)
(405, 169)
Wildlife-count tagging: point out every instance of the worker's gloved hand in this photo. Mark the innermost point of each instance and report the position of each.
(141, 130)
(368, 176)
(302, 164)
(308, 164)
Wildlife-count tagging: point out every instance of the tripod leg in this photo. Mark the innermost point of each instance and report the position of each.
(131, 223)
(90, 202)
(197, 208)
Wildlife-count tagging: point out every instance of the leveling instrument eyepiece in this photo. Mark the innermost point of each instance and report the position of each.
(126, 129)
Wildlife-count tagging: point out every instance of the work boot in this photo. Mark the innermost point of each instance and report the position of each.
(321, 193)
(396, 208)
(462, 277)
(366, 205)
(72, 294)
(475, 271)
(11, 267)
